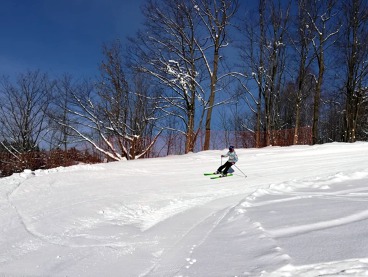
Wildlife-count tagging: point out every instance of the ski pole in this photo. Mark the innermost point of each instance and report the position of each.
(245, 176)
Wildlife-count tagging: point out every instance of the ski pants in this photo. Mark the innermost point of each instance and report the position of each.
(225, 166)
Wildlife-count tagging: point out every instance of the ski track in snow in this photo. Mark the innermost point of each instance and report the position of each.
(294, 191)
(286, 190)
(251, 235)
(13, 219)
(292, 231)
(192, 235)
(237, 227)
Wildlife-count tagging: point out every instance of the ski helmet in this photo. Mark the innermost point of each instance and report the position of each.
(231, 148)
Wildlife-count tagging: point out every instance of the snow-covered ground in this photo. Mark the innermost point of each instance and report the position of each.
(302, 211)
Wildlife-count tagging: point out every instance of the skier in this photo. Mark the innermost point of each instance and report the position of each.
(233, 158)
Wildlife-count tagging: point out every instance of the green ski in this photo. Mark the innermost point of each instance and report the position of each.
(220, 176)
(209, 174)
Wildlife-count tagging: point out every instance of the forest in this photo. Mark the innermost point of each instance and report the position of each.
(199, 75)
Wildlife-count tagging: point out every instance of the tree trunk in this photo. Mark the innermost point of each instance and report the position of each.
(317, 98)
(211, 101)
(190, 136)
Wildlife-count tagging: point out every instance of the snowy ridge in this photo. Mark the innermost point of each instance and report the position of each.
(324, 190)
(360, 194)
(302, 211)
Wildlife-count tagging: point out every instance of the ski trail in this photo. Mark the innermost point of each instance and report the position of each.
(315, 223)
(213, 254)
(177, 257)
(12, 224)
(197, 253)
(350, 267)
(288, 192)
(17, 214)
(301, 229)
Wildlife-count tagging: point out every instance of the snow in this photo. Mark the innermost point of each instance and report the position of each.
(302, 211)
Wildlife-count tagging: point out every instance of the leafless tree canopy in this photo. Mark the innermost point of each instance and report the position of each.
(115, 116)
(24, 106)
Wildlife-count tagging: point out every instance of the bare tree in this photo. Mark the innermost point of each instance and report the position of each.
(128, 111)
(216, 16)
(265, 55)
(181, 47)
(355, 55)
(325, 27)
(23, 112)
(60, 134)
(116, 117)
(251, 54)
(302, 42)
(167, 50)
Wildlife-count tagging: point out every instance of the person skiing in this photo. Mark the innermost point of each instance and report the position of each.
(233, 158)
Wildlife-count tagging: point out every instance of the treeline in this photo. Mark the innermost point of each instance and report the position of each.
(42, 159)
(203, 65)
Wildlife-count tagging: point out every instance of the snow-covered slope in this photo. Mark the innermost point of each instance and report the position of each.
(302, 211)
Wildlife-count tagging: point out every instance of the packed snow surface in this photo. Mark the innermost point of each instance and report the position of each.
(301, 211)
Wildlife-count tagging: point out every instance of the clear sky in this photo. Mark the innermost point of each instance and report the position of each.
(59, 36)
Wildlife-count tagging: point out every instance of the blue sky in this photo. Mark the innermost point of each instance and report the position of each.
(59, 36)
